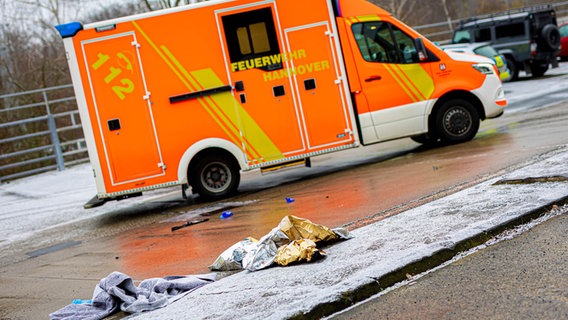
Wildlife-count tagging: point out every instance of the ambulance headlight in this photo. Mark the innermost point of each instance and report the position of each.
(485, 68)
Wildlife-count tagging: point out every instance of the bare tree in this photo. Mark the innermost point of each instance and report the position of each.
(401, 9)
(447, 13)
(31, 50)
(115, 11)
(152, 5)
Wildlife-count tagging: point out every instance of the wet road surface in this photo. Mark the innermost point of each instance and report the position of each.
(349, 189)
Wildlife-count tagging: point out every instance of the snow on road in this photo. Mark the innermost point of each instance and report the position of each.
(529, 93)
(50, 199)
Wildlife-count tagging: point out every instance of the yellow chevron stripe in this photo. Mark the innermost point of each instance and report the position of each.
(223, 107)
(413, 79)
(256, 140)
(186, 79)
(204, 101)
(366, 18)
(407, 82)
(400, 82)
(226, 125)
(159, 53)
(193, 85)
(418, 79)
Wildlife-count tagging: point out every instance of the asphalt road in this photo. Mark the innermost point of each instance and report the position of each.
(521, 278)
(44, 272)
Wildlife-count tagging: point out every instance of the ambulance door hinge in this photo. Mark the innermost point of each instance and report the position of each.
(147, 96)
(338, 81)
(349, 132)
(162, 165)
(135, 44)
(329, 34)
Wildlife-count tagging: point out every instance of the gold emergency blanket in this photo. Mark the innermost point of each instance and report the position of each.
(297, 250)
(297, 228)
(293, 240)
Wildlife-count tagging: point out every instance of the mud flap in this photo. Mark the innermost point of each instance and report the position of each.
(95, 202)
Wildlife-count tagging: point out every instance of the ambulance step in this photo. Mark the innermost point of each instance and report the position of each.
(97, 202)
(296, 163)
(94, 202)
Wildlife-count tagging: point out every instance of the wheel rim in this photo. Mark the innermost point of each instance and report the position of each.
(457, 121)
(216, 177)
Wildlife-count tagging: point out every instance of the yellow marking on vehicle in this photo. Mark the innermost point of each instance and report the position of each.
(223, 107)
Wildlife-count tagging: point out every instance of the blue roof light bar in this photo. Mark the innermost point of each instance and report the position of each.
(69, 29)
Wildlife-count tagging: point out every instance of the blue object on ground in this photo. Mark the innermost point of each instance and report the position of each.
(226, 214)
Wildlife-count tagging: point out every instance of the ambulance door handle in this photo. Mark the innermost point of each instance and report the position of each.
(373, 78)
(200, 93)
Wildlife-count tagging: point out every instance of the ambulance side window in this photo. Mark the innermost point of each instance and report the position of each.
(383, 42)
(251, 35)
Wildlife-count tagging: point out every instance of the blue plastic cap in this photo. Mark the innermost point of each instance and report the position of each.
(69, 29)
(226, 214)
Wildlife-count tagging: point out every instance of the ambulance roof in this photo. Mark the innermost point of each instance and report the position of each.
(352, 8)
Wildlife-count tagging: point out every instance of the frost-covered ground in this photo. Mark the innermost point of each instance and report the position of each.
(47, 200)
(375, 250)
(282, 292)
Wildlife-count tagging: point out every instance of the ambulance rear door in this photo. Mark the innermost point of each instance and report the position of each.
(122, 108)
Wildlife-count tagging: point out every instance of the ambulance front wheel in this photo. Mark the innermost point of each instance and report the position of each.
(457, 120)
(214, 176)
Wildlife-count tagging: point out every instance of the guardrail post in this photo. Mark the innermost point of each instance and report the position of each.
(54, 136)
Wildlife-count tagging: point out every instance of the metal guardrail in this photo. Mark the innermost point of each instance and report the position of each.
(46, 133)
(40, 130)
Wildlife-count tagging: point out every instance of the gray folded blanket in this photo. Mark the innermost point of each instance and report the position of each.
(118, 290)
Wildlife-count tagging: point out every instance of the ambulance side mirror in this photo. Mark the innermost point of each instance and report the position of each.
(420, 49)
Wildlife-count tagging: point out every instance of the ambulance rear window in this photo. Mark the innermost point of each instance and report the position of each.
(251, 35)
(258, 38)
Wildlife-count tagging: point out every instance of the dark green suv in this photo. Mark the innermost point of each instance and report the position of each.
(528, 38)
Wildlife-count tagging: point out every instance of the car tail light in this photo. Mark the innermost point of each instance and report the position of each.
(533, 49)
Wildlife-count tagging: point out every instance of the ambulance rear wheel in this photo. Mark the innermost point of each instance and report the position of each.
(457, 121)
(214, 176)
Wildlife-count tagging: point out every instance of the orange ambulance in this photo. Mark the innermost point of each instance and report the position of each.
(193, 95)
